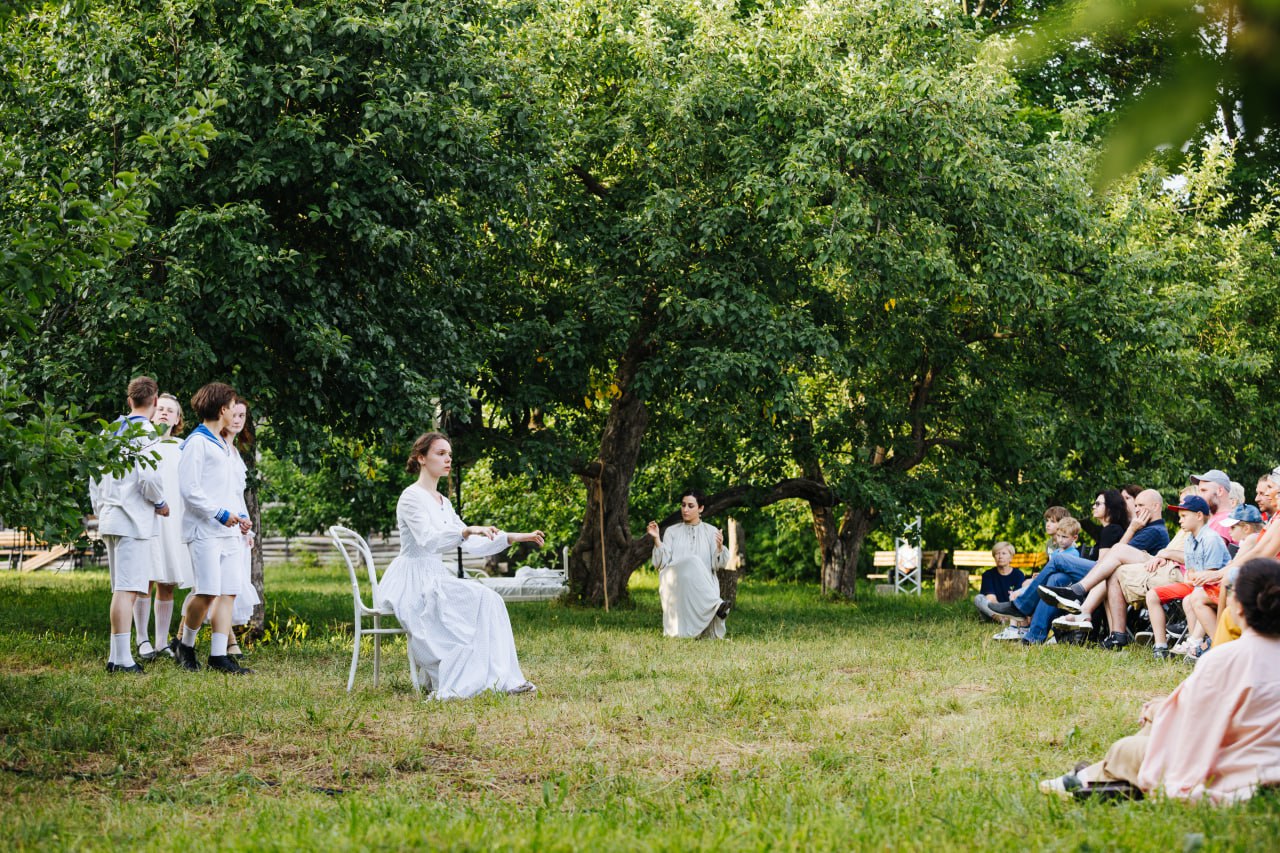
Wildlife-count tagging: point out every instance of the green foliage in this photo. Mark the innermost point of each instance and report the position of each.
(1215, 67)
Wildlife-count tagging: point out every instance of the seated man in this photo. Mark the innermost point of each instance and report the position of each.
(1267, 497)
(1146, 535)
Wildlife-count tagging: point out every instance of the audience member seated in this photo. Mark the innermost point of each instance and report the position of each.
(1109, 509)
(1215, 487)
(1265, 496)
(1202, 604)
(1053, 516)
(1206, 554)
(1145, 536)
(998, 582)
(1217, 735)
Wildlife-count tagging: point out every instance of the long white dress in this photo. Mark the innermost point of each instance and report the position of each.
(172, 557)
(687, 561)
(246, 596)
(459, 631)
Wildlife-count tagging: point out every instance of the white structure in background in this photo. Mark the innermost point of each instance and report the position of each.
(907, 559)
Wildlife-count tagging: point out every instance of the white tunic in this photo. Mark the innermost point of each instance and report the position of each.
(172, 557)
(687, 561)
(126, 504)
(459, 631)
(206, 477)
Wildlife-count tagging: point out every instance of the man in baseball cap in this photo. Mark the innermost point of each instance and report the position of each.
(1215, 487)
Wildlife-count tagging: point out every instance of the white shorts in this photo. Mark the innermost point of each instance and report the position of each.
(215, 563)
(129, 561)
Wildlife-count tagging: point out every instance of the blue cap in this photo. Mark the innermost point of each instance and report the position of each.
(1245, 512)
(1192, 503)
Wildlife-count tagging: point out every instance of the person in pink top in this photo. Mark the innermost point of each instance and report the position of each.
(1217, 735)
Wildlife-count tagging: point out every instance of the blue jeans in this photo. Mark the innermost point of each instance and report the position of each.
(1061, 570)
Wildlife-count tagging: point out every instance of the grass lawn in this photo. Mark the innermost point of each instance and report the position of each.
(890, 723)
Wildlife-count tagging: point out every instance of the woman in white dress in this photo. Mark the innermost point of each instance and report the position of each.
(246, 598)
(459, 631)
(687, 558)
(171, 566)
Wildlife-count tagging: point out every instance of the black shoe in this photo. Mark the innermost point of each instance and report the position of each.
(222, 663)
(136, 669)
(1007, 608)
(1060, 596)
(1161, 653)
(185, 657)
(1116, 641)
(723, 611)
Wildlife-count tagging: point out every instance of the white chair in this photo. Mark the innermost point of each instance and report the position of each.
(354, 548)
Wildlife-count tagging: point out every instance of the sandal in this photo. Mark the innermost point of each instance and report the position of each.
(147, 656)
(1198, 652)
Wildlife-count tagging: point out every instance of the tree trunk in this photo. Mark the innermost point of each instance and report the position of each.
(951, 584)
(605, 547)
(841, 546)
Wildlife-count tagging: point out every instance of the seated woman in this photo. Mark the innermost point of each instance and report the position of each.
(459, 632)
(687, 559)
(1217, 735)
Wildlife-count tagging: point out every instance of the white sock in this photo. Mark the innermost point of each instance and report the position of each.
(142, 618)
(121, 656)
(164, 618)
(189, 635)
(219, 647)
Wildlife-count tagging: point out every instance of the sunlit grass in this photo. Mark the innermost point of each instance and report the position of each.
(887, 723)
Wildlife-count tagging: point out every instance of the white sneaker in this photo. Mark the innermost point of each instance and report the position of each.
(1144, 637)
(1010, 632)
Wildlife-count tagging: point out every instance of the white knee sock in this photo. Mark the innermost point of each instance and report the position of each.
(189, 635)
(142, 618)
(121, 656)
(164, 618)
(218, 648)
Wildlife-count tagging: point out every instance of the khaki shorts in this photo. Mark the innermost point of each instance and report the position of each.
(1135, 581)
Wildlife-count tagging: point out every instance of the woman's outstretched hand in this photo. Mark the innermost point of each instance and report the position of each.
(537, 538)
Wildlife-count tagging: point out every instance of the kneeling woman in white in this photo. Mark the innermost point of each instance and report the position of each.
(687, 559)
(459, 632)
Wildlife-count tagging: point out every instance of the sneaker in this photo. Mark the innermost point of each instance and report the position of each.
(1010, 632)
(1060, 596)
(1161, 652)
(1052, 641)
(527, 687)
(1116, 641)
(1078, 622)
(1007, 608)
(1143, 637)
(1064, 786)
